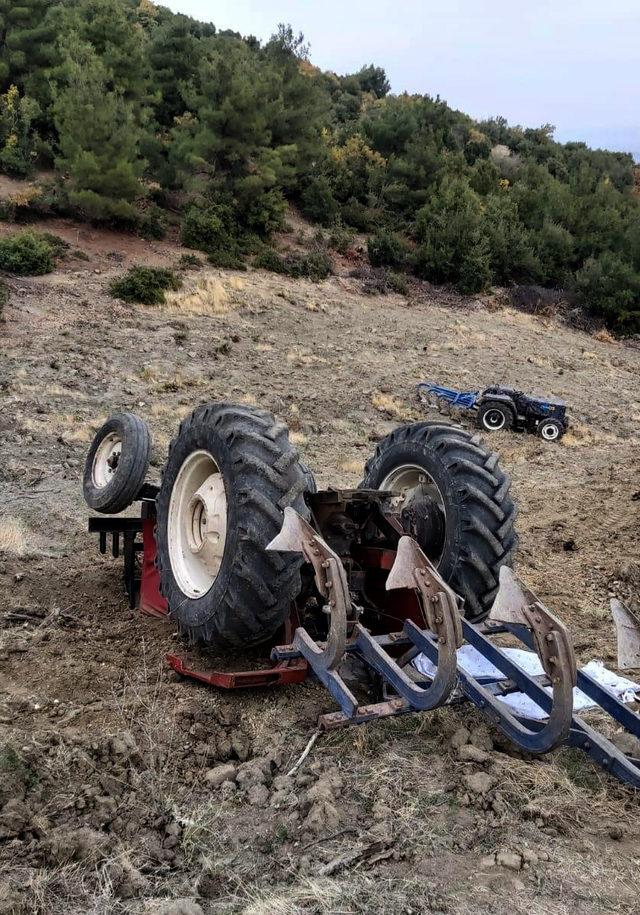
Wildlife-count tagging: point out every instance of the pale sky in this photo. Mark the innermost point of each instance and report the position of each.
(572, 63)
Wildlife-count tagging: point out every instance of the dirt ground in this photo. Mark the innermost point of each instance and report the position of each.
(123, 789)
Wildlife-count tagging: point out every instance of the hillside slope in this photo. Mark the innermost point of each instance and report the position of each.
(104, 756)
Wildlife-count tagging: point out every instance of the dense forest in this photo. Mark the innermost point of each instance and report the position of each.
(133, 112)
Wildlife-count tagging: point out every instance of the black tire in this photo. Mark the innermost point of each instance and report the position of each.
(251, 595)
(550, 430)
(495, 408)
(479, 513)
(130, 469)
(311, 485)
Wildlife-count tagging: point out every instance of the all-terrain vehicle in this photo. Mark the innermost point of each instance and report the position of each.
(499, 408)
(240, 549)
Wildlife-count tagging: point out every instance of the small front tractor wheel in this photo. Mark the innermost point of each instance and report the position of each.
(117, 463)
(494, 416)
(453, 498)
(230, 474)
(550, 430)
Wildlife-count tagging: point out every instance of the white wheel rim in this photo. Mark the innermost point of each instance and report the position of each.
(197, 524)
(549, 432)
(493, 420)
(106, 460)
(405, 480)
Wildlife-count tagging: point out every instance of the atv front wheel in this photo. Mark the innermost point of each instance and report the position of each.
(454, 499)
(230, 474)
(494, 416)
(550, 430)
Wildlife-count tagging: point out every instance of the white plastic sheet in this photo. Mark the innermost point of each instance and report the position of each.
(473, 663)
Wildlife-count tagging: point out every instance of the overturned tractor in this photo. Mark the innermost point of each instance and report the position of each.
(239, 548)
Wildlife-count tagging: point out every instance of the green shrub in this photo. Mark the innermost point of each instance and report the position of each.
(145, 285)
(226, 260)
(210, 228)
(153, 223)
(398, 282)
(27, 254)
(97, 208)
(386, 249)
(341, 239)
(609, 287)
(269, 259)
(317, 201)
(359, 216)
(315, 266)
(189, 262)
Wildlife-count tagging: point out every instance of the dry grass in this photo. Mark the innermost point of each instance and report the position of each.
(604, 336)
(393, 408)
(204, 296)
(13, 539)
(353, 465)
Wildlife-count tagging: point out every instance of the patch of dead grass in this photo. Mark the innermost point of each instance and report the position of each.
(393, 408)
(13, 538)
(353, 465)
(204, 296)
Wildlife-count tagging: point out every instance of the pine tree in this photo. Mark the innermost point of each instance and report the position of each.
(176, 49)
(98, 138)
(27, 46)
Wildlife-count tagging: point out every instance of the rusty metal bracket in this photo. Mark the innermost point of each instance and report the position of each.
(628, 632)
(412, 569)
(298, 536)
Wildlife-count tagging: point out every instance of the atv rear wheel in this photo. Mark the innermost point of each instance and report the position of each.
(117, 463)
(454, 499)
(494, 416)
(230, 473)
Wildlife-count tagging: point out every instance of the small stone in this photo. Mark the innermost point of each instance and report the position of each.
(322, 817)
(488, 861)
(481, 738)
(479, 782)
(258, 795)
(627, 744)
(616, 833)
(18, 577)
(215, 777)
(228, 789)
(459, 738)
(240, 745)
(249, 775)
(509, 859)
(283, 783)
(471, 753)
(529, 857)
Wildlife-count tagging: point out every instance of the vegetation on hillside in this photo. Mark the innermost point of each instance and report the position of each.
(137, 109)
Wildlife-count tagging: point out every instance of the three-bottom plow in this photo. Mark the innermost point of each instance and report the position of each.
(516, 611)
(406, 580)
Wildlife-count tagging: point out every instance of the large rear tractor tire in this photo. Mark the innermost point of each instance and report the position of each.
(117, 463)
(230, 473)
(454, 498)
